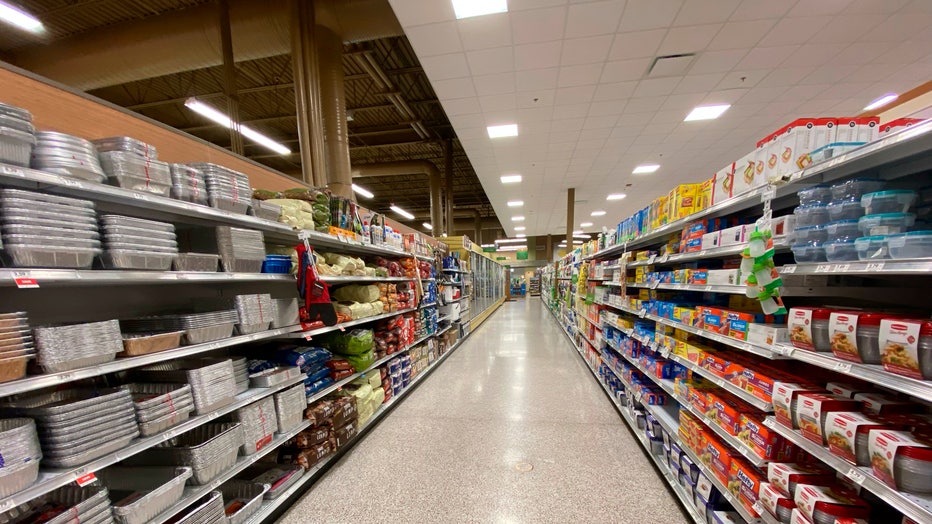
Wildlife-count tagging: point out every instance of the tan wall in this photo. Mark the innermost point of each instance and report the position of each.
(57, 109)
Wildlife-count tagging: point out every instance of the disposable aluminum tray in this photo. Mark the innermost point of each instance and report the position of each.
(15, 111)
(212, 383)
(207, 510)
(200, 262)
(180, 321)
(80, 501)
(105, 446)
(208, 450)
(146, 344)
(48, 210)
(181, 405)
(142, 184)
(259, 424)
(63, 222)
(32, 196)
(279, 477)
(242, 387)
(136, 165)
(138, 232)
(249, 492)
(54, 137)
(141, 494)
(140, 242)
(50, 257)
(125, 259)
(102, 421)
(19, 443)
(63, 405)
(147, 396)
(45, 231)
(160, 424)
(67, 346)
(228, 204)
(208, 334)
(126, 144)
(289, 407)
(266, 210)
(187, 194)
(151, 225)
(77, 441)
(273, 377)
(74, 169)
(16, 146)
(17, 478)
(240, 265)
(13, 368)
(83, 362)
(286, 312)
(17, 122)
(59, 242)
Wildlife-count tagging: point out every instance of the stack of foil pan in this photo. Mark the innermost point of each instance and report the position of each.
(67, 155)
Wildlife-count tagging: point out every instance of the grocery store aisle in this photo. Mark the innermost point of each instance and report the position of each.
(511, 428)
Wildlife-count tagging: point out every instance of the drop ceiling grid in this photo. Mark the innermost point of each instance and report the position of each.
(573, 75)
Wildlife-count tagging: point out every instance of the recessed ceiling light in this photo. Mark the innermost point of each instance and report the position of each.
(706, 112)
(428, 226)
(401, 212)
(520, 228)
(586, 224)
(882, 101)
(502, 131)
(578, 232)
(362, 191)
(511, 179)
(212, 114)
(598, 213)
(470, 8)
(520, 235)
(19, 18)
(616, 196)
(645, 168)
(517, 219)
(515, 203)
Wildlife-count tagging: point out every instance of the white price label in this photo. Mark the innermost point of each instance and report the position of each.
(70, 182)
(651, 259)
(140, 196)
(664, 352)
(823, 268)
(701, 254)
(655, 284)
(874, 266)
(843, 367)
(841, 268)
(8, 170)
(768, 193)
(642, 313)
(856, 476)
(708, 288)
(664, 258)
(758, 508)
(787, 270)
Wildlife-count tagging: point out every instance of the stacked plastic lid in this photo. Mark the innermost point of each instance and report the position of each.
(289, 407)
(160, 406)
(212, 381)
(259, 424)
(77, 426)
(198, 328)
(16, 347)
(241, 250)
(226, 189)
(240, 374)
(255, 312)
(63, 348)
(67, 155)
(131, 171)
(188, 184)
(42, 230)
(66, 505)
(125, 144)
(19, 447)
(134, 243)
(17, 135)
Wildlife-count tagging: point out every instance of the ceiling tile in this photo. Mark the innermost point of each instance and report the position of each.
(872, 6)
(496, 84)
(570, 111)
(489, 61)
(625, 70)
(705, 11)
(766, 57)
(636, 44)
(535, 115)
(538, 56)
(813, 55)
(644, 105)
(822, 7)
(416, 12)
(599, 122)
(519, 5)
(905, 53)
(758, 9)
(591, 135)
(688, 39)
(443, 67)
(661, 128)
(787, 76)
(636, 119)
(531, 99)
(574, 95)
(680, 102)
(434, 39)
(655, 87)
(694, 83)
(608, 107)
(594, 18)
(568, 124)
(898, 28)
(461, 106)
(859, 53)
(614, 91)
(483, 32)
(797, 30)
(579, 75)
(717, 61)
(641, 15)
(803, 93)
(736, 35)
(829, 74)
(537, 25)
(537, 79)
(845, 28)
(454, 88)
(586, 50)
(741, 79)
(762, 94)
(668, 117)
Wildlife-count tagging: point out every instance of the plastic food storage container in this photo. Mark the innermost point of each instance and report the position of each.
(867, 336)
(842, 229)
(886, 224)
(814, 214)
(849, 209)
(916, 244)
(810, 252)
(806, 234)
(856, 188)
(820, 193)
(872, 248)
(809, 328)
(897, 201)
(840, 250)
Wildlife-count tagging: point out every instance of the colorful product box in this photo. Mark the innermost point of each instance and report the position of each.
(899, 346)
(723, 277)
(713, 319)
(813, 407)
(771, 499)
(698, 277)
(757, 382)
(710, 240)
(693, 245)
(766, 443)
(723, 182)
(783, 477)
(681, 202)
(767, 334)
(857, 130)
(744, 481)
(841, 429)
(812, 500)
(896, 125)
(876, 404)
(790, 148)
(716, 363)
(720, 457)
(784, 395)
(705, 194)
(885, 444)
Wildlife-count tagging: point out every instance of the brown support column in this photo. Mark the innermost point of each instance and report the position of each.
(570, 209)
(302, 60)
(449, 226)
(436, 205)
(229, 78)
(549, 249)
(333, 111)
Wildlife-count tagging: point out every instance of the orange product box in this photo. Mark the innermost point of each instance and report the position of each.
(758, 382)
(727, 410)
(720, 457)
(812, 408)
(713, 319)
(766, 443)
(716, 363)
(785, 394)
(699, 400)
(744, 481)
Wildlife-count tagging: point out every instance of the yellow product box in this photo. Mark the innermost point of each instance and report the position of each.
(704, 194)
(625, 323)
(680, 334)
(642, 255)
(677, 312)
(664, 211)
(681, 276)
(681, 201)
(696, 353)
(644, 294)
(665, 329)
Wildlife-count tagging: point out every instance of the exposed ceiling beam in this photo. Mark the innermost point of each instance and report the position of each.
(267, 120)
(400, 71)
(180, 100)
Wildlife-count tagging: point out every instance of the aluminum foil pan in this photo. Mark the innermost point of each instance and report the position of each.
(207, 510)
(139, 232)
(19, 443)
(286, 312)
(28, 207)
(56, 220)
(126, 144)
(14, 111)
(105, 446)
(201, 262)
(208, 449)
(64, 347)
(15, 479)
(141, 494)
(45, 198)
(139, 223)
(289, 407)
(259, 423)
(18, 123)
(249, 492)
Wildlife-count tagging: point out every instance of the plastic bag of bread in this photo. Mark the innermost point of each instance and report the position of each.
(357, 293)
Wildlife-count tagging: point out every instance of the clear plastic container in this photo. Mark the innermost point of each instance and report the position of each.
(898, 201)
(868, 336)
(886, 224)
(856, 188)
(843, 250)
(872, 248)
(821, 194)
(912, 469)
(811, 252)
(811, 215)
(804, 235)
(849, 209)
(842, 229)
(916, 244)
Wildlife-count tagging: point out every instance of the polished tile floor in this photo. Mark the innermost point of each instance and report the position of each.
(511, 428)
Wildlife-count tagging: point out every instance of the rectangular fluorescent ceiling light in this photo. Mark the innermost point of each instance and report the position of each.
(19, 18)
(582, 236)
(428, 226)
(401, 212)
(520, 228)
(706, 112)
(488, 245)
(616, 196)
(882, 101)
(517, 219)
(512, 248)
(520, 235)
(362, 191)
(586, 224)
(212, 114)
(645, 168)
(515, 203)
(511, 179)
(510, 240)
(599, 213)
(577, 232)
(503, 131)
(470, 8)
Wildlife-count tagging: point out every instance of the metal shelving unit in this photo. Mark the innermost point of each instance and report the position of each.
(862, 268)
(758, 403)
(702, 288)
(308, 335)
(79, 277)
(749, 517)
(354, 279)
(916, 507)
(715, 252)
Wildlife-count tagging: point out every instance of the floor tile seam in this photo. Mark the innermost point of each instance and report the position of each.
(619, 422)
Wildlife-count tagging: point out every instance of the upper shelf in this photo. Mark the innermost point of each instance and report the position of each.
(902, 153)
(922, 266)
(76, 277)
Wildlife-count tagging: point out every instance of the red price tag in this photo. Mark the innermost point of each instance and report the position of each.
(26, 283)
(341, 329)
(84, 480)
(308, 337)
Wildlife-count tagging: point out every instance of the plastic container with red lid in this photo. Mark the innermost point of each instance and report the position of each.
(901, 461)
(823, 505)
(906, 347)
(868, 331)
(808, 328)
(776, 503)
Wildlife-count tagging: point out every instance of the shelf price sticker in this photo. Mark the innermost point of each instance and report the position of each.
(856, 476)
(308, 337)
(86, 479)
(26, 282)
(823, 268)
(664, 258)
(788, 270)
(843, 367)
(651, 259)
(841, 268)
(874, 266)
